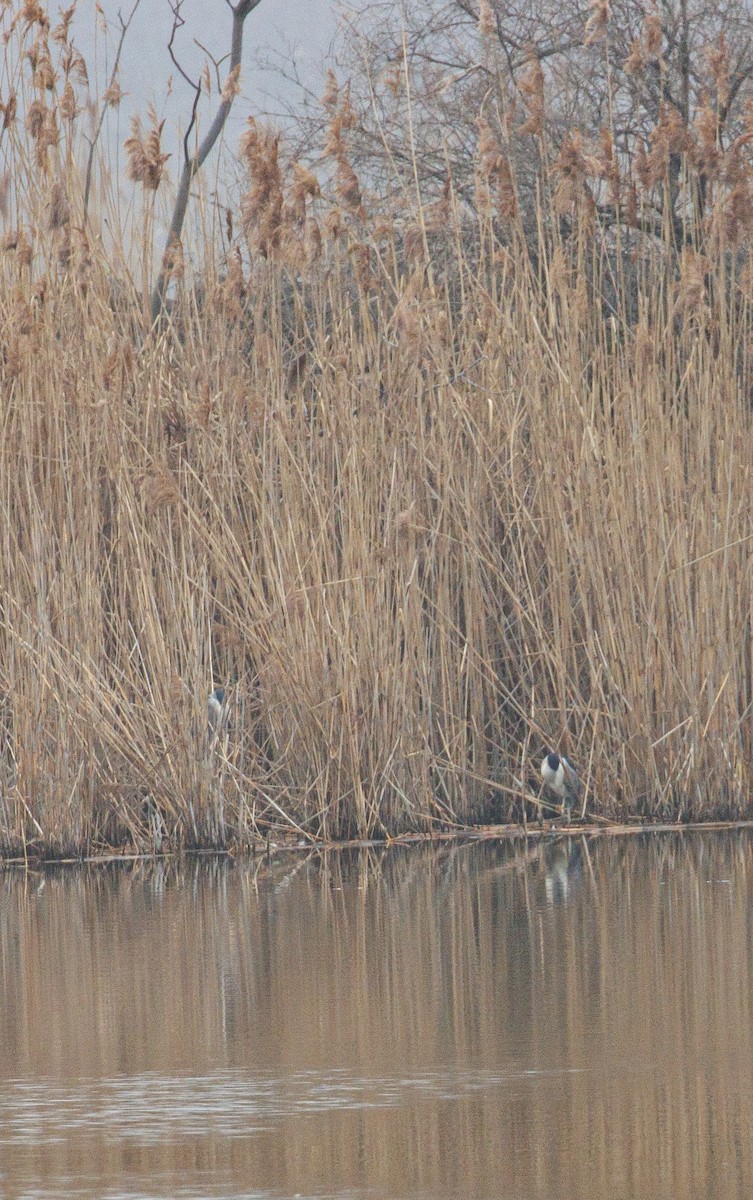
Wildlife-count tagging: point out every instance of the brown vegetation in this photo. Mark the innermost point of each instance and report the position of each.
(423, 493)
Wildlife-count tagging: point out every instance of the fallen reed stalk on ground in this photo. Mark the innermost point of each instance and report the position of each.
(421, 513)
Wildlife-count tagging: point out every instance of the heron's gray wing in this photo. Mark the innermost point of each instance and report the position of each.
(572, 779)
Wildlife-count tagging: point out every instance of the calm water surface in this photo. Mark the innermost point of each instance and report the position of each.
(568, 1020)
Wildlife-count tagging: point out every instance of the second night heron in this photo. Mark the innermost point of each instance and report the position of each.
(560, 775)
(217, 710)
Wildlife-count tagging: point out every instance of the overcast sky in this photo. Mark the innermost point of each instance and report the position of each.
(273, 27)
(297, 31)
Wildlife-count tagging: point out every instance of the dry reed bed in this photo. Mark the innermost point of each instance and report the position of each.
(415, 559)
(421, 520)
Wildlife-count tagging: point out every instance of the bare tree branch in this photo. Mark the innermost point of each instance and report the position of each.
(178, 23)
(193, 163)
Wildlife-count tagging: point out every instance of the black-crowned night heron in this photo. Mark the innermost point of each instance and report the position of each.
(217, 709)
(560, 775)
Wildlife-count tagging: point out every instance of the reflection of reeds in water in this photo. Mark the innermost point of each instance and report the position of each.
(559, 1048)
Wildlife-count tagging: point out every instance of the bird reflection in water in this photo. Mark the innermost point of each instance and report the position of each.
(563, 869)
